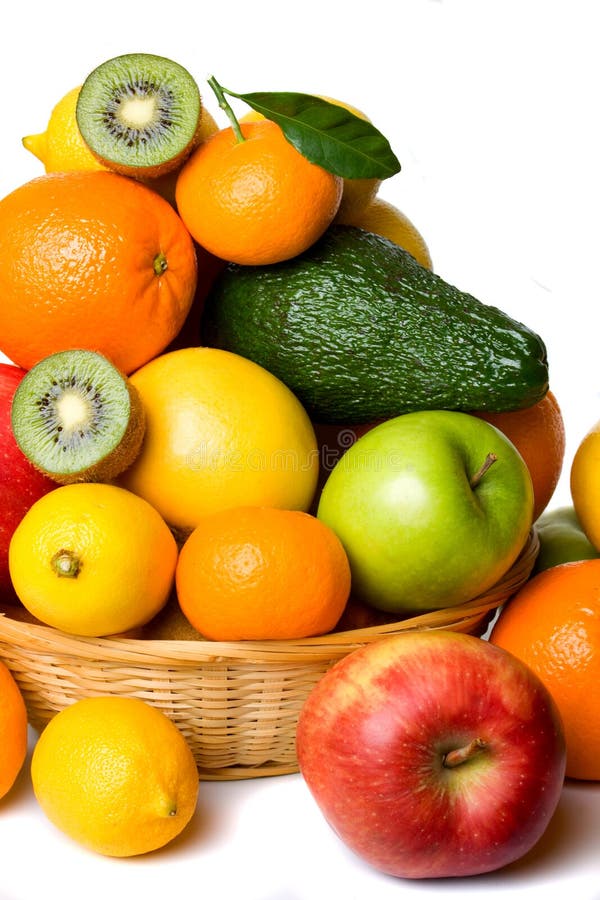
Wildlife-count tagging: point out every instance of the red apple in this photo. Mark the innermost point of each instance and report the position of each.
(20, 483)
(432, 755)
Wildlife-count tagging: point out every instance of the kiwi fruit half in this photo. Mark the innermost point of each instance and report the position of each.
(78, 418)
(140, 114)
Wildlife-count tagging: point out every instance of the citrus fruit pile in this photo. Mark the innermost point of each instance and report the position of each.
(159, 484)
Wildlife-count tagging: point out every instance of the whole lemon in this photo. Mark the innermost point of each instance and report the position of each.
(61, 147)
(383, 218)
(92, 559)
(585, 484)
(116, 775)
(221, 431)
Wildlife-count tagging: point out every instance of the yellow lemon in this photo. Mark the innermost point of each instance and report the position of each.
(357, 192)
(116, 775)
(585, 483)
(381, 217)
(221, 431)
(61, 147)
(92, 559)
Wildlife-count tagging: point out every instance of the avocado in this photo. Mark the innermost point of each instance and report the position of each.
(359, 331)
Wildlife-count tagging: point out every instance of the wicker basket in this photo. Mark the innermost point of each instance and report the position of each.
(236, 703)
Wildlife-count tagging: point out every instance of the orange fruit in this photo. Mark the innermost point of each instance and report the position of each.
(221, 431)
(13, 730)
(585, 484)
(258, 573)
(381, 217)
(92, 559)
(538, 433)
(553, 625)
(256, 201)
(116, 775)
(92, 260)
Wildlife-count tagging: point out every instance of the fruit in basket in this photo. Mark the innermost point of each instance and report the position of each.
(562, 539)
(20, 483)
(92, 559)
(93, 260)
(256, 201)
(220, 432)
(77, 418)
(538, 433)
(115, 775)
(259, 573)
(360, 331)
(433, 754)
(381, 217)
(553, 624)
(140, 114)
(13, 730)
(585, 483)
(432, 508)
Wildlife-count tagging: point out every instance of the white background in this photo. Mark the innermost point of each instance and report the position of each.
(492, 109)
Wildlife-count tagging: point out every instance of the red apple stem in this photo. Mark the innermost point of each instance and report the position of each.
(488, 461)
(463, 754)
(66, 564)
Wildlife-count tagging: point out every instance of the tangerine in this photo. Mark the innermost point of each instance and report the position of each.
(553, 625)
(256, 201)
(92, 260)
(13, 729)
(538, 433)
(258, 573)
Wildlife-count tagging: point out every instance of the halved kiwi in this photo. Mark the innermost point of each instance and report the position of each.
(78, 418)
(140, 114)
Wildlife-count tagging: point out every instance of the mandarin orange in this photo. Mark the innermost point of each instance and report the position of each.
(13, 729)
(538, 433)
(257, 201)
(259, 573)
(92, 260)
(553, 625)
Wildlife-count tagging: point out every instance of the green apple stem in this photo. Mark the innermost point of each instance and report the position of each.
(489, 461)
(66, 564)
(463, 754)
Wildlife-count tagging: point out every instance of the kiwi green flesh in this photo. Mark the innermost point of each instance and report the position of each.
(75, 417)
(139, 111)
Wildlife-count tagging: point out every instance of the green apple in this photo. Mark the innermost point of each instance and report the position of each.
(562, 539)
(432, 507)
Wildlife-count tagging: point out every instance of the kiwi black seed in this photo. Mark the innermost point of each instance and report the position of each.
(78, 418)
(140, 114)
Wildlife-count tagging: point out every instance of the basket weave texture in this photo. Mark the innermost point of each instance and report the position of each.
(238, 703)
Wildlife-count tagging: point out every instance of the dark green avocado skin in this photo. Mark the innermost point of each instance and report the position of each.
(359, 331)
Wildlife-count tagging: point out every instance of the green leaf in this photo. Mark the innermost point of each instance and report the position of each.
(327, 134)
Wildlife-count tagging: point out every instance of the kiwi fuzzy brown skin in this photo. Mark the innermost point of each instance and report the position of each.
(30, 434)
(129, 152)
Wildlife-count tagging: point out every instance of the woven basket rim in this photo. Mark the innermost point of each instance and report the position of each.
(142, 651)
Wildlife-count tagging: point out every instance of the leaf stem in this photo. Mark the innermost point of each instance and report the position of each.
(220, 92)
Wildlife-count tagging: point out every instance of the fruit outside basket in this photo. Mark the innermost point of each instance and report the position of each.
(236, 703)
